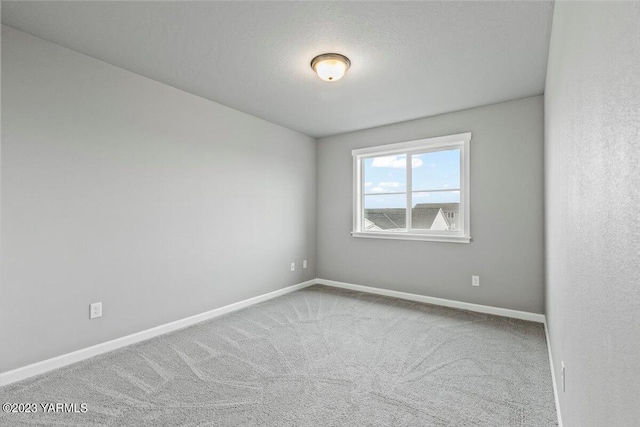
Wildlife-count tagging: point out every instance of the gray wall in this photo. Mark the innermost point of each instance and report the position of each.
(119, 189)
(506, 213)
(592, 176)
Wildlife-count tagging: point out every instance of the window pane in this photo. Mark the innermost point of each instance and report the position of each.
(385, 212)
(385, 174)
(437, 210)
(436, 170)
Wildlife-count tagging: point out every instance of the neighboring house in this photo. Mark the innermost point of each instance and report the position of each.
(370, 226)
(386, 219)
(440, 222)
(425, 216)
(450, 211)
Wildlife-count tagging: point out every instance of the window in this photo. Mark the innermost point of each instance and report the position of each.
(417, 190)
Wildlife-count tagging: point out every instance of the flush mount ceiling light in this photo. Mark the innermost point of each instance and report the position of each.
(330, 66)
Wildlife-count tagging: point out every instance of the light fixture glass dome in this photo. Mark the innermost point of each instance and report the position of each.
(330, 66)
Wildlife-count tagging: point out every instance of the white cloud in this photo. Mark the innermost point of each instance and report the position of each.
(388, 162)
(384, 187)
(367, 184)
(397, 162)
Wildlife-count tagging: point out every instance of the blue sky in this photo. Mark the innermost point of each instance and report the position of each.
(438, 170)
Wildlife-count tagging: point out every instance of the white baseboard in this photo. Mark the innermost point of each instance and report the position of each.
(553, 375)
(85, 353)
(505, 312)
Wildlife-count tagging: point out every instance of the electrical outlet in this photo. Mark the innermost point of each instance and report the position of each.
(475, 280)
(564, 377)
(293, 266)
(304, 264)
(95, 310)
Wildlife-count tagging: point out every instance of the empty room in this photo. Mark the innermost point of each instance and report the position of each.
(341, 213)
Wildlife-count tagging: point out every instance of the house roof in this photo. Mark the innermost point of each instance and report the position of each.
(387, 218)
(447, 207)
(422, 218)
(423, 215)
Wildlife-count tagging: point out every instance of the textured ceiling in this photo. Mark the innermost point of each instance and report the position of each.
(409, 59)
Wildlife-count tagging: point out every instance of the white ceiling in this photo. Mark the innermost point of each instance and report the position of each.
(409, 59)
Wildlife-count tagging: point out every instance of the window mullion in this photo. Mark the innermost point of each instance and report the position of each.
(409, 169)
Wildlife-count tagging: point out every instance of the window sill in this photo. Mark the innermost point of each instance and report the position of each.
(407, 236)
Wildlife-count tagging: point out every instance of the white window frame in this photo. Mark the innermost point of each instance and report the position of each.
(459, 141)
